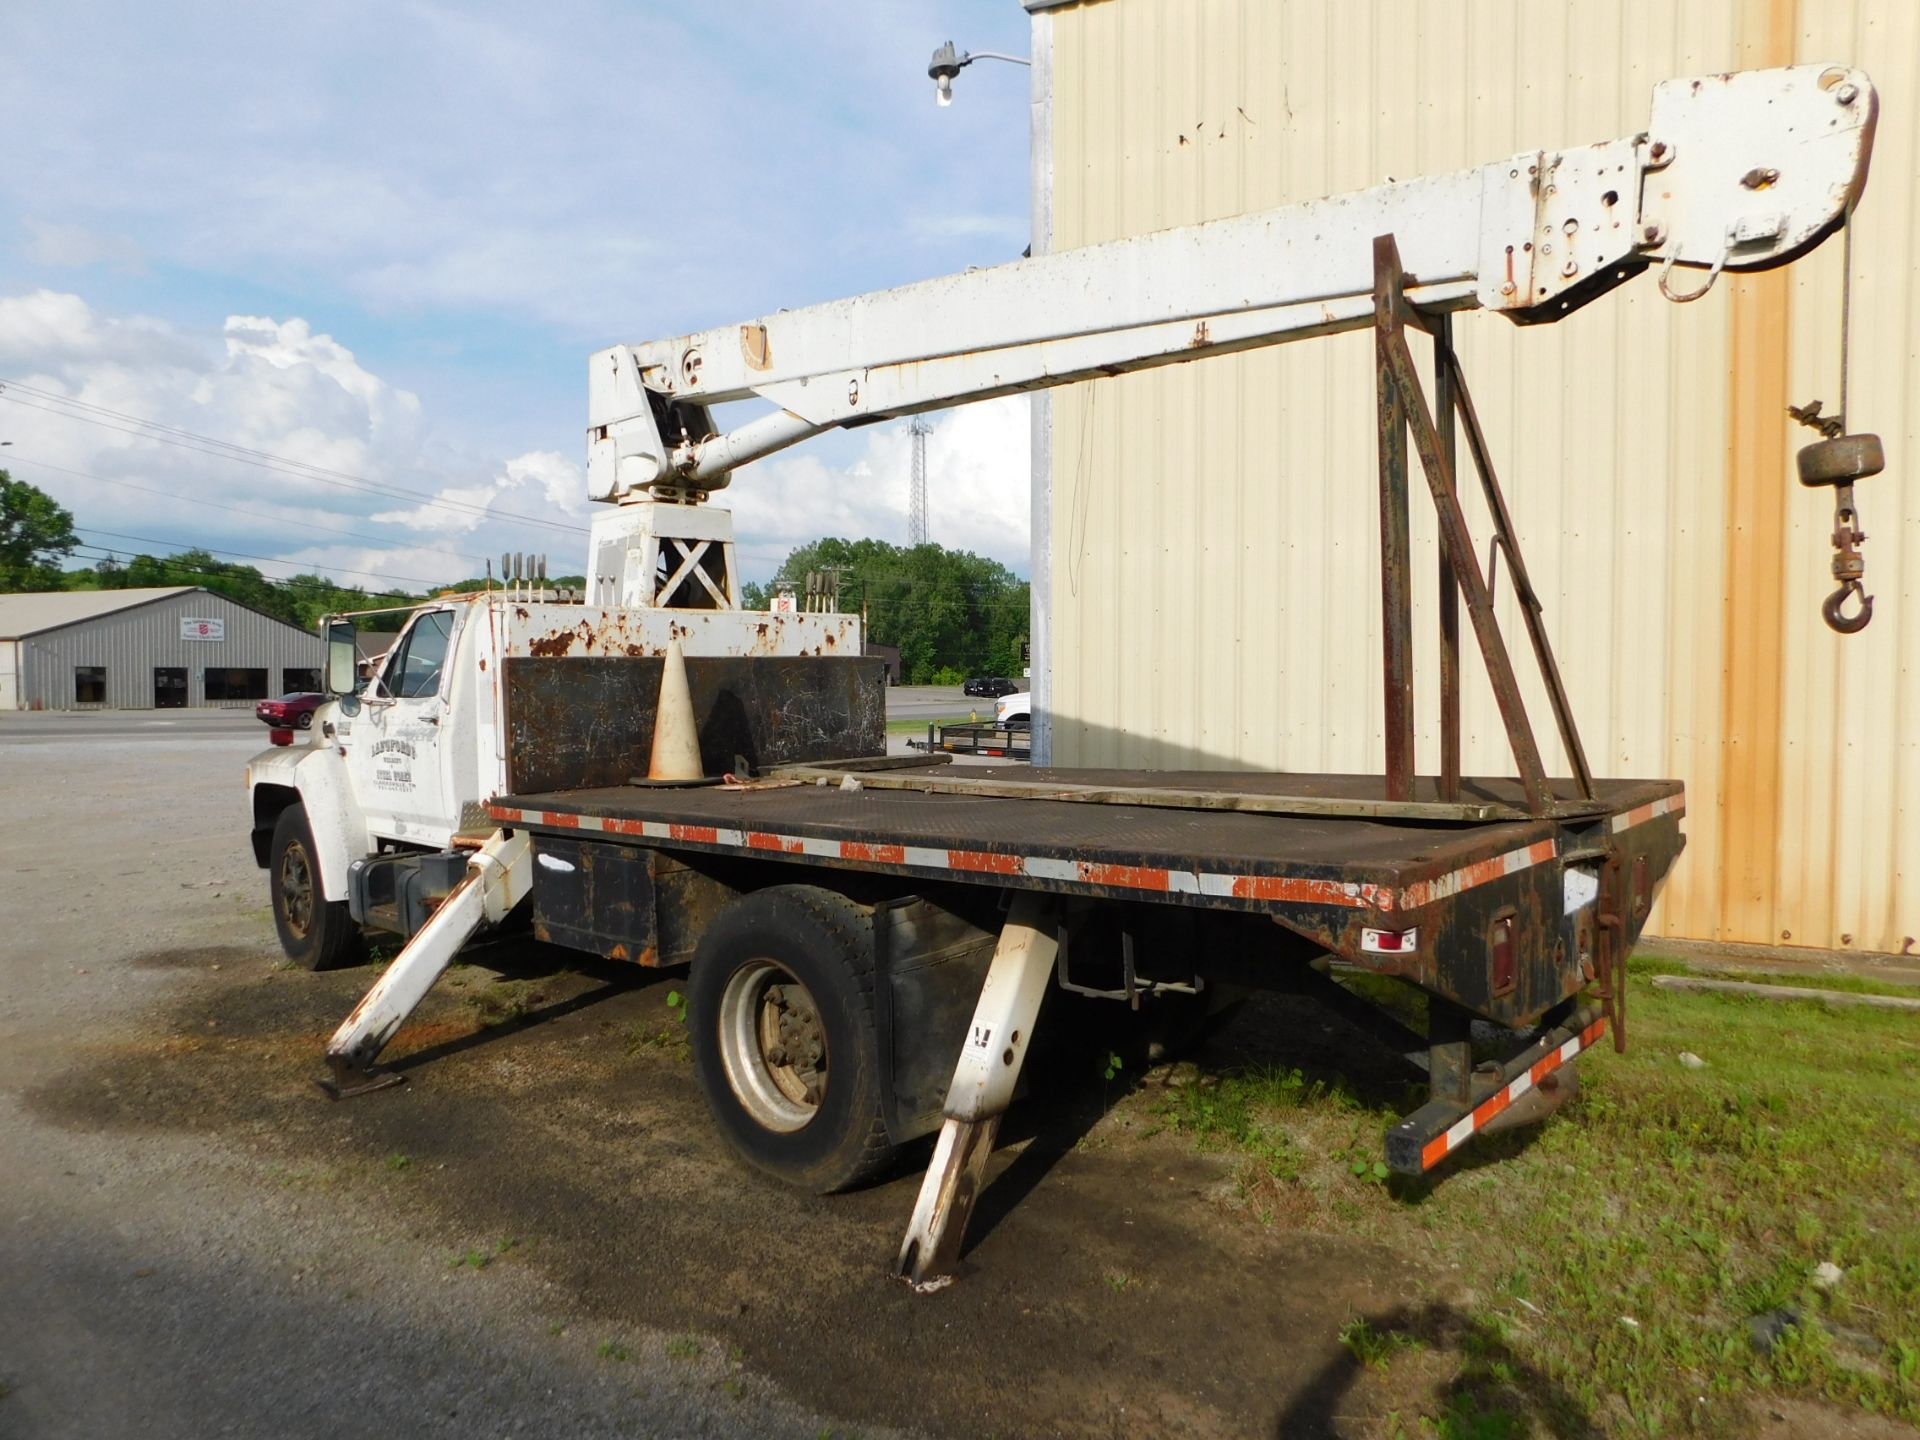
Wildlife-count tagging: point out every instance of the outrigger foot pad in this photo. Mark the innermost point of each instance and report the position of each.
(349, 1080)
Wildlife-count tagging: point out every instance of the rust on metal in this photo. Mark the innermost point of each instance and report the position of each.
(1445, 378)
(1396, 560)
(1532, 612)
(1401, 380)
(753, 346)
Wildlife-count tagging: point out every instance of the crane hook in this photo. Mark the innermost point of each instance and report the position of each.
(1836, 461)
(1833, 609)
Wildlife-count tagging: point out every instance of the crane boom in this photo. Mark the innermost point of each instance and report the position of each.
(1739, 172)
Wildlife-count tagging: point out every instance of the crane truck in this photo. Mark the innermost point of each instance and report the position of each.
(869, 939)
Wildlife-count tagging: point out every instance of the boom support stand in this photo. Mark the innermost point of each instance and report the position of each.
(499, 875)
(1403, 410)
(990, 1061)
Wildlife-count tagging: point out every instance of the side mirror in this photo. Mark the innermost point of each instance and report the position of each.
(343, 658)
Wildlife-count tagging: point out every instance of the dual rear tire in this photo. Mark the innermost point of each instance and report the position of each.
(780, 998)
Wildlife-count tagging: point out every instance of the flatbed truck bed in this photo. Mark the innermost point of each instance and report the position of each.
(1191, 879)
(1397, 895)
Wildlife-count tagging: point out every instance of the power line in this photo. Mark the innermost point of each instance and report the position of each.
(243, 555)
(101, 553)
(67, 408)
(199, 504)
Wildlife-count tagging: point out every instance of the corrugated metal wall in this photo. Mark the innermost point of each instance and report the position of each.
(132, 643)
(1211, 565)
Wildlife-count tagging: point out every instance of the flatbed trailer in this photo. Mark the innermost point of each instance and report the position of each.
(972, 737)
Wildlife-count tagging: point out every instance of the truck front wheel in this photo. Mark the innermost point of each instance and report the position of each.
(780, 999)
(317, 933)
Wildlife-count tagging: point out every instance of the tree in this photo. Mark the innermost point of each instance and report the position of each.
(35, 534)
(945, 609)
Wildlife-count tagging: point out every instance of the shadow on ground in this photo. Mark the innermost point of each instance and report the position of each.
(1108, 1289)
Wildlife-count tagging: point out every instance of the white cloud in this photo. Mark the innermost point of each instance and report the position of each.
(283, 388)
(75, 246)
(978, 483)
(84, 379)
(540, 480)
(1011, 230)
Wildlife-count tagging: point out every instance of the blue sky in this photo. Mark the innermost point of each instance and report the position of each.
(384, 238)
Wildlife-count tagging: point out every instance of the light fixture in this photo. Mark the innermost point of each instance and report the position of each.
(948, 62)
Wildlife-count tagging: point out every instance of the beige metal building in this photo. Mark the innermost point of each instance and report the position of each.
(1206, 586)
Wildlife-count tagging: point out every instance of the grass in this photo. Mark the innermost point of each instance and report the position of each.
(685, 1347)
(1375, 1348)
(1850, 984)
(505, 1001)
(1612, 1263)
(481, 1258)
(918, 726)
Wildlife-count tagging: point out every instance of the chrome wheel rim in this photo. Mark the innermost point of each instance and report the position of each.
(773, 1046)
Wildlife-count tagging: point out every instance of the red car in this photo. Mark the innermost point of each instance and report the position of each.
(293, 711)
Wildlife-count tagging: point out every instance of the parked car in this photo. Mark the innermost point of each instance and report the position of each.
(989, 687)
(293, 711)
(1014, 709)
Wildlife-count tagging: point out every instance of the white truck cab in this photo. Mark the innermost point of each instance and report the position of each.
(404, 769)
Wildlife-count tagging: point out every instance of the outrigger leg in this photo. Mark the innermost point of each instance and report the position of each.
(983, 1081)
(499, 874)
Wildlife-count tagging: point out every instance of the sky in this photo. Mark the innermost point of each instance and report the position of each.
(381, 241)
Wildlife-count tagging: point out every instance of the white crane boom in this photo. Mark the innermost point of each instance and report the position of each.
(1738, 172)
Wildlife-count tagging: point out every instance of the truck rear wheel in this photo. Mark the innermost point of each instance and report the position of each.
(780, 999)
(317, 933)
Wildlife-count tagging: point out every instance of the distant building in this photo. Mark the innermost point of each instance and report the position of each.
(180, 645)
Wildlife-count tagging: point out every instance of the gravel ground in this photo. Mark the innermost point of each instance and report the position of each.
(541, 1232)
(194, 1283)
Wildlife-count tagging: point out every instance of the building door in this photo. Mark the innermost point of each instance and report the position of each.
(169, 687)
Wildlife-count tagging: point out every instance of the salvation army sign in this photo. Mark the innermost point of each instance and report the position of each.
(192, 629)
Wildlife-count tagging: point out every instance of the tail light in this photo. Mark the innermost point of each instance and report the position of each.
(1500, 946)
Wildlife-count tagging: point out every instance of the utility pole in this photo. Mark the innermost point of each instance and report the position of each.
(919, 427)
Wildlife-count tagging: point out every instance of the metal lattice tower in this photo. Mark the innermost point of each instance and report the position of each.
(919, 427)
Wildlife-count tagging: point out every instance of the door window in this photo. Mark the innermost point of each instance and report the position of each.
(413, 670)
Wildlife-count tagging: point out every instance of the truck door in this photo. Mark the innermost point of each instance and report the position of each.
(399, 757)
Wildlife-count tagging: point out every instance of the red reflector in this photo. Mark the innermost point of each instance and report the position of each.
(1389, 942)
(1502, 945)
(278, 736)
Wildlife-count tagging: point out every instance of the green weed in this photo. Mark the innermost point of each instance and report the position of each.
(1690, 1203)
(1374, 1348)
